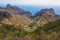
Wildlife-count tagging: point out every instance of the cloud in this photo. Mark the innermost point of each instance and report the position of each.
(33, 2)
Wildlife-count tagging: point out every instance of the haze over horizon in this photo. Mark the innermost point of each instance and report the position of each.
(34, 5)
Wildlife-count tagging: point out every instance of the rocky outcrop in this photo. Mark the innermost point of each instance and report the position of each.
(10, 7)
(17, 10)
(13, 14)
(47, 13)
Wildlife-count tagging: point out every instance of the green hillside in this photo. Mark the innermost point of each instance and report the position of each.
(50, 31)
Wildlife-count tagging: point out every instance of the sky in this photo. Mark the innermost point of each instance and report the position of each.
(34, 5)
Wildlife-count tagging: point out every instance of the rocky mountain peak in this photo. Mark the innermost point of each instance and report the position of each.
(12, 7)
(18, 10)
(49, 12)
(8, 6)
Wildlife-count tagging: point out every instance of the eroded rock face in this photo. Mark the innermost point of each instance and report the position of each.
(5, 17)
(5, 14)
(18, 10)
(14, 14)
(49, 14)
(45, 15)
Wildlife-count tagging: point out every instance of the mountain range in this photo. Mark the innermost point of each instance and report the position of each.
(17, 16)
(17, 24)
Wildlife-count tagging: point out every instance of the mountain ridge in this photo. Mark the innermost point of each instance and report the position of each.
(19, 16)
(17, 24)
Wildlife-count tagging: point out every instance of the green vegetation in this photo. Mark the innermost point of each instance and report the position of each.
(50, 31)
(33, 24)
